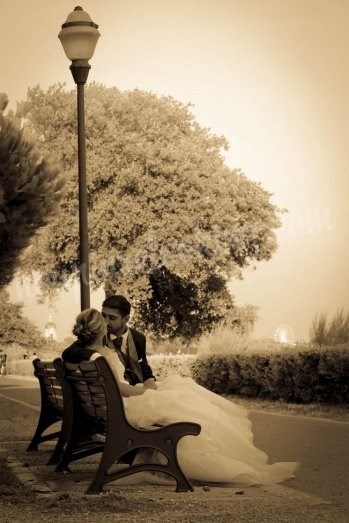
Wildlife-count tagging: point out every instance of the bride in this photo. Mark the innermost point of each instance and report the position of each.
(224, 450)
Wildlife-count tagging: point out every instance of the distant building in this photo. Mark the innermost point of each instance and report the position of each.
(50, 329)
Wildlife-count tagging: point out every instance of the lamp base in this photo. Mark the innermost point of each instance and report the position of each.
(80, 70)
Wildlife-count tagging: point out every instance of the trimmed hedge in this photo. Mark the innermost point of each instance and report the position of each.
(306, 376)
(320, 376)
(163, 365)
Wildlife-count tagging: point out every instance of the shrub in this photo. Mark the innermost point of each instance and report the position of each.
(295, 376)
(222, 340)
(164, 366)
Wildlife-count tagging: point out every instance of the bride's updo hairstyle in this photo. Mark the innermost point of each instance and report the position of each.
(88, 325)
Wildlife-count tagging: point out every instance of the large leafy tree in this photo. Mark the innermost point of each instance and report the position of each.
(30, 188)
(15, 328)
(169, 223)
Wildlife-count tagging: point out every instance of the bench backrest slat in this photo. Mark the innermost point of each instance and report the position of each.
(50, 385)
(91, 382)
(55, 401)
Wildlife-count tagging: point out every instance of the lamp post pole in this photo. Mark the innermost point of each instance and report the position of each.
(79, 73)
(79, 36)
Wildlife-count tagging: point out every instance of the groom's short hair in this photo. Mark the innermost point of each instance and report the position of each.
(117, 301)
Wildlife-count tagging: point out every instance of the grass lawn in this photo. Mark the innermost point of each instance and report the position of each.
(317, 410)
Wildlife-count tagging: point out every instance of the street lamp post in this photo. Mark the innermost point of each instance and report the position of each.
(79, 37)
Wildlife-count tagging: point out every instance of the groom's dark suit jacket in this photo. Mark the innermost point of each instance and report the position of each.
(77, 352)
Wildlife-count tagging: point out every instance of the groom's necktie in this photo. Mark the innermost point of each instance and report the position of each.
(117, 342)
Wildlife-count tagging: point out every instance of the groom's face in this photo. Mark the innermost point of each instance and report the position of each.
(116, 323)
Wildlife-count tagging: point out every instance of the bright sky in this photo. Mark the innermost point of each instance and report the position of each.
(271, 76)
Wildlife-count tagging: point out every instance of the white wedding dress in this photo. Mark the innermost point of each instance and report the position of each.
(224, 450)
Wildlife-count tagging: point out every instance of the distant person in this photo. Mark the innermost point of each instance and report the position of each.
(224, 450)
(3, 364)
(127, 342)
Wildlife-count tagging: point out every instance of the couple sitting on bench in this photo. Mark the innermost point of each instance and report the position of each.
(223, 451)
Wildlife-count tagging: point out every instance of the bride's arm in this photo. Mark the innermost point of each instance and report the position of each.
(125, 388)
(129, 390)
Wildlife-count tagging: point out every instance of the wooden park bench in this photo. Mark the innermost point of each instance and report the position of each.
(53, 391)
(98, 410)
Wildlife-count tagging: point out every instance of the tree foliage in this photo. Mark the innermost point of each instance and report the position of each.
(329, 332)
(30, 188)
(16, 329)
(169, 223)
(319, 329)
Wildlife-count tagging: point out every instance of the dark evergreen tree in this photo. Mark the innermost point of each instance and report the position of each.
(30, 188)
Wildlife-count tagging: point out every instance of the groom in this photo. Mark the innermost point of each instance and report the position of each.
(129, 344)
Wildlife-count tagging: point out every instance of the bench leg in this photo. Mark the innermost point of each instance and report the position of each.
(63, 439)
(43, 424)
(183, 485)
(109, 458)
(58, 451)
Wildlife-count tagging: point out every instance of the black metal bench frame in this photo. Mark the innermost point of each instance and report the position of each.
(54, 394)
(97, 407)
